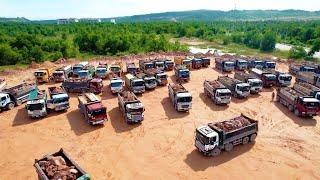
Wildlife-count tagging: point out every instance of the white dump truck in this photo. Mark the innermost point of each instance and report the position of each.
(180, 97)
(131, 107)
(134, 84)
(217, 92)
(238, 88)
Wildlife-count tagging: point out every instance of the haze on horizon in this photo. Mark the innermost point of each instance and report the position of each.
(54, 9)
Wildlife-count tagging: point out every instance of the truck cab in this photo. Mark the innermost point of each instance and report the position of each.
(162, 78)
(196, 63)
(116, 69)
(78, 67)
(101, 72)
(58, 102)
(242, 89)
(134, 112)
(84, 74)
(257, 64)
(138, 85)
(270, 79)
(92, 108)
(150, 82)
(168, 65)
(187, 63)
(206, 139)
(58, 76)
(222, 96)
(255, 85)
(307, 106)
(205, 62)
(42, 75)
(132, 68)
(159, 65)
(96, 85)
(6, 102)
(182, 73)
(241, 64)
(284, 79)
(36, 104)
(183, 101)
(269, 64)
(116, 85)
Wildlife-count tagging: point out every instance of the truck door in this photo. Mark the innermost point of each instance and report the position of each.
(3, 101)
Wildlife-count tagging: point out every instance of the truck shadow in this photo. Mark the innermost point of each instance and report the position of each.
(211, 104)
(118, 123)
(170, 112)
(267, 89)
(221, 72)
(174, 79)
(107, 94)
(239, 100)
(79, 125)
(198, 162)
(22, 118)
(253, 96)
(301, 121)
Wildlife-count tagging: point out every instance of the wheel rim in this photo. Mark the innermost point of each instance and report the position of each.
(253, 137)
(10, 106)
(245, 140)
(229, 147)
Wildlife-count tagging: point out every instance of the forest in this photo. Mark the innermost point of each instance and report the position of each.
(22, 43)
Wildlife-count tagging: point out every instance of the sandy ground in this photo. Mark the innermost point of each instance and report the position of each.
(162, 146)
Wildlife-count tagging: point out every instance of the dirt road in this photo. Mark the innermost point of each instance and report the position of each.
(162, 147)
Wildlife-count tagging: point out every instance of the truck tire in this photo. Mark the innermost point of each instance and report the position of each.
(215, 152)
(253, 137)
(290, 108)
(245, 140)
(19, 102)
(296, 112)
(10, 106)
(228, 147)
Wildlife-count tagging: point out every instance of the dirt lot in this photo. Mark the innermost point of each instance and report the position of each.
(162, 147)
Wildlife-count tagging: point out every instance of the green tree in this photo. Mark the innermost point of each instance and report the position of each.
(297, 52)
(268, 42)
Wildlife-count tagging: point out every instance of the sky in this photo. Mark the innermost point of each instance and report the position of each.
(54, 9)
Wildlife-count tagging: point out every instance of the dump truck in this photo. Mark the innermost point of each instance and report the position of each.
(116, 68)
(161, 77)
(131, 107)
(255, 83)
(205, 62)
(43, 75)
(78, 67)
(217, 92)
(224, 64)
(267, 77)
(267, 64)
(180, 97)
(59, 165)
(214, 137)
(87, 72)
(62, 73)
(116, 84)
(59, 99)
(307, 89)
(182, 73)
(131, 68)
(37, 104)
(255, 63)
(3, 84)
(145, 64)
(159, 64)
(92, 108)
(241, 64)
(134, 84)
(101, 71)
(283, 79)
(183, 61)
(80, 85)
(16, 95)
(238, 88)
(168, 65)
(196, 63)
(308, 77)
(294, 69)
(150, 82)
(298, 103)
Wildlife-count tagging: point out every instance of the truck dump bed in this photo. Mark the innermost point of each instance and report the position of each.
(20, 89)
(56, 90)
(88, 98)
(128, 96)
(177, 88)
(290, 93)
(48, 167)
(226, 80)
(305, 88)
(37, 94)
(243, 76)
(215, 84)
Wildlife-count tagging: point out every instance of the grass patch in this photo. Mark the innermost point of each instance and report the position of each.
(13, 67)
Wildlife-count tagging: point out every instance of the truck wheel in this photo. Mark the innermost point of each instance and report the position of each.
(215, 152)
(290, 107)
(245, 140)
(296, 112)
(10, 106)
(253, 137)
(228, 147)
(19, 102)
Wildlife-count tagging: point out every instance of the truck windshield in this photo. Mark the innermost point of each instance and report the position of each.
(135, 109)
(271, 77)
(169, 63)
(285, 78)
(98, 112)
(184, 99)
(58, 74)
(256, 84)
(101, 71)
(220, 94)
(186, 62)
(39, 74)
(149, 66)
(184, 73)
(60, 100)
(116, 84)
(229, 64)
(34, 107)
(114, 69)
(138, 83)
(311, 104)
(271, 64)
(77, 68)
(159, 64)
(83, 74)
(205, 140)
(162, 76)
(151, 81)
(242, 63)
(244, 88)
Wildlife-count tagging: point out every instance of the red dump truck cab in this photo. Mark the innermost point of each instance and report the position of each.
(92, 108)
(299, 104)
(96, 85)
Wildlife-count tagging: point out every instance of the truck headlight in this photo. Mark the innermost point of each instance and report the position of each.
(129, 116)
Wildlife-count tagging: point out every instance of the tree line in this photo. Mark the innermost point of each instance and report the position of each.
(23, 43)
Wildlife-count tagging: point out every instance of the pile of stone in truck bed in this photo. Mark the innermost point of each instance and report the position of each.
(56, 169)
(235, 123)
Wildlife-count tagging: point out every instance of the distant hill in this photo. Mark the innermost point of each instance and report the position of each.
(18, 19)
(212, 15)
